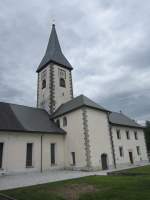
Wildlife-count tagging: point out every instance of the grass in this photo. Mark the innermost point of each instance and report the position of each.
(139, 170)
(90, 188)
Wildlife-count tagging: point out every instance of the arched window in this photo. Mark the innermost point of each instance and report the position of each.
(43, 83)
(62, 82)
(58, 123)
(64, 121)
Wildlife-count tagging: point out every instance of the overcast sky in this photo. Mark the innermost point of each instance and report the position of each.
(106, 41)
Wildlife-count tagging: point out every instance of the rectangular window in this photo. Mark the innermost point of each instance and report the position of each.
(121, 151)
(138, 150)
(118, 134)
(29, 155)
(52, 153)
(128, 135)
(1, 154)
(62, 73)
(73, 158)
(135, 135)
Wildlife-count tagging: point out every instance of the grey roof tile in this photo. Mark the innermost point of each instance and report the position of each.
(26, 119)
(76, 103)
(123, 120)
(54, 53)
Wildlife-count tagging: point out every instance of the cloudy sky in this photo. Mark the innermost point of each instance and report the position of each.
(106, 41)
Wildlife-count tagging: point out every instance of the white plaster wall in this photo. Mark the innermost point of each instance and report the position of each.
(74, 141)
(99, 137)
(14, 154)
(129, 145)
(62, 94)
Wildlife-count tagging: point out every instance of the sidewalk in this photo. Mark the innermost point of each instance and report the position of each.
(34, 178)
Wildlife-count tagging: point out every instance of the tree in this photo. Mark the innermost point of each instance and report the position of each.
(147, 135)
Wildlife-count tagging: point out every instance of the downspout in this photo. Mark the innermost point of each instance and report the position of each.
(111, 140)
(41, 153)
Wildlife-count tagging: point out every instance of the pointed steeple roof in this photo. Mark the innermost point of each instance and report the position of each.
(54, 53)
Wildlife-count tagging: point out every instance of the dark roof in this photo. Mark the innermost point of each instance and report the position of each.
(54, 53)
(122, 120)
(76, 103)
(26, 119)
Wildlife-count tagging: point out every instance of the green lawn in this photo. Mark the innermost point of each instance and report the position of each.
(140, 170)
(91, 188)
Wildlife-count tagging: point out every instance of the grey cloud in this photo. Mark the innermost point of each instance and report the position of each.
(105, 40)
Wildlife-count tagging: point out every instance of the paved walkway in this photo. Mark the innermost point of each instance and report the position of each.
(34, 178)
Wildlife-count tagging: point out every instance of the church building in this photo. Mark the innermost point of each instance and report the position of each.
(63, 131)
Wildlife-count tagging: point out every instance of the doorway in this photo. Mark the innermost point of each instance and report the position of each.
(104, 161)
(131, 157)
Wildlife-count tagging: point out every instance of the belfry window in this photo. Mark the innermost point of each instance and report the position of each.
(62, 82)
(43, 83)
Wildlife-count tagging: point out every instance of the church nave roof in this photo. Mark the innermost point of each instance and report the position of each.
(20, 118)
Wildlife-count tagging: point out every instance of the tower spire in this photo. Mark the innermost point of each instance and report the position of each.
(54, 53)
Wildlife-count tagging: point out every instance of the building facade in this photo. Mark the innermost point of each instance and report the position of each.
(64, 132)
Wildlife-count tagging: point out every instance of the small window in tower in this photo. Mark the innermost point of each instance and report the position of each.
(62, 73)
(43, 84)
(62, 82)
(64, 121)
(43, 75)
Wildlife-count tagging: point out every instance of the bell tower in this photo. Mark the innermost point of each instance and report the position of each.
(54, 85)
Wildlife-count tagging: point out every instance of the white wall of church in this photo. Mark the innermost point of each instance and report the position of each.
(74, 141)
(14, 153)
(99, 138)
(129, 145)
